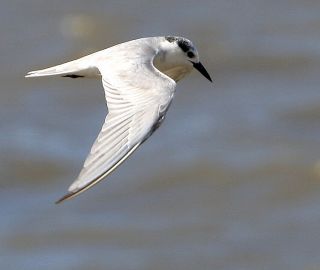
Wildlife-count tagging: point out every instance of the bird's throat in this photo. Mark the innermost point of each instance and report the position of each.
(177, 73)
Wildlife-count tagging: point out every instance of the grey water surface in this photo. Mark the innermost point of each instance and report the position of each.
(230, 181)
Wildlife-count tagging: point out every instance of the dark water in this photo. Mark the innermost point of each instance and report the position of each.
(230, 181)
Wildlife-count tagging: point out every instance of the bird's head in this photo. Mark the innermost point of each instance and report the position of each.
(177, 57)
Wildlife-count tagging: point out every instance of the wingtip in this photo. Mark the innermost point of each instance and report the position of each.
(71, 194)
(66, 197)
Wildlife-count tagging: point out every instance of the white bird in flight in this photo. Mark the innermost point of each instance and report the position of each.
(139, 79)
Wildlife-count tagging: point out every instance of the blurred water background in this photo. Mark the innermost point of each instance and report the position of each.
(230, 181)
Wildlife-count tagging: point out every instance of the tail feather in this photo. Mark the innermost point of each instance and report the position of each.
(78, 68)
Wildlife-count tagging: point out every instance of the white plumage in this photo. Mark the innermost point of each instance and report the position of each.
(139, 79)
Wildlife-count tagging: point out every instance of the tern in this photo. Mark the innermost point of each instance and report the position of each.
(139, 79)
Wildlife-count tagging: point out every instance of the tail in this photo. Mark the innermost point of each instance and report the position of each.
(82, 67)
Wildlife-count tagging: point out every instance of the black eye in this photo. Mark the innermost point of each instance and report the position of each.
(190, 54)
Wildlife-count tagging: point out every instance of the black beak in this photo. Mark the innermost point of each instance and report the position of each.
(198, 66)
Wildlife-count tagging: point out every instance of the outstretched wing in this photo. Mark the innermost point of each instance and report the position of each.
(138, 96)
